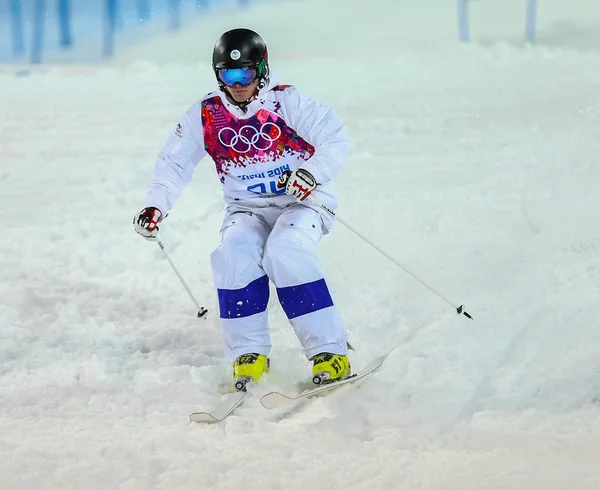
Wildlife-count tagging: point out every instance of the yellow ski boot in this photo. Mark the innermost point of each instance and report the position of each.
(329, 367)
(249, 367)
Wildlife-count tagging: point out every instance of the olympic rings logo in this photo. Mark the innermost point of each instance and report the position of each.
(249, 137)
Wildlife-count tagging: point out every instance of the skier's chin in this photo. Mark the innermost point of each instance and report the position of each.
(239, 96)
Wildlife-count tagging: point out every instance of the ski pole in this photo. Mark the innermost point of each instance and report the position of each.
(201, 310)
(459, 309)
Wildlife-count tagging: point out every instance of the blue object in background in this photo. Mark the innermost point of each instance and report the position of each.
(175, 11)
(17, 27)
(530, 21)
(64, 23)
(58, 31)
(39, 18)
(462, 7)
(144, 12)
(110, 27)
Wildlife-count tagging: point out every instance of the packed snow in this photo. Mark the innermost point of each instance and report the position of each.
(474, 166)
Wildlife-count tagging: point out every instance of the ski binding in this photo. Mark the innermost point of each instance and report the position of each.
(276, 399)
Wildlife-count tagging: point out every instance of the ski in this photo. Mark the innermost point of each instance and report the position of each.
(276, 399)
(221, 412)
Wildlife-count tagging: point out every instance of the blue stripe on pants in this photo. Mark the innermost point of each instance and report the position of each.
(304, 298)
(239, 303)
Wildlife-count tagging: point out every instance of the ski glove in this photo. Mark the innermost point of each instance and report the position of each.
(299, 183)
(146, 221)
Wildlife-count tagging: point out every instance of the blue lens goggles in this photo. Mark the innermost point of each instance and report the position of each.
(243, 76)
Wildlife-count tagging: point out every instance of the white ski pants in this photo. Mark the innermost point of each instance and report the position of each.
(262, 244)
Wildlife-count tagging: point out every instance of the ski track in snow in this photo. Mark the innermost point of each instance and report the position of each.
(475, 166)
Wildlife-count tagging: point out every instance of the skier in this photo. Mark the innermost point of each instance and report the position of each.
(272, 146)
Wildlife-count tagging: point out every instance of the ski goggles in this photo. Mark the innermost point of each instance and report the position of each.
(231, 76)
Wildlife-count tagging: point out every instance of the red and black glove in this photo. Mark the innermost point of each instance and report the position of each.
(146, 222)
(299, 183)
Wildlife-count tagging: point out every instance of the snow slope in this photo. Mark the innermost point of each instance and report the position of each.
(475, 166)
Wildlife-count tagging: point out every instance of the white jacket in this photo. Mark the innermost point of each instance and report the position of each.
(282, 129)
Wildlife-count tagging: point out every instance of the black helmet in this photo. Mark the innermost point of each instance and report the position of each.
(241, 48)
